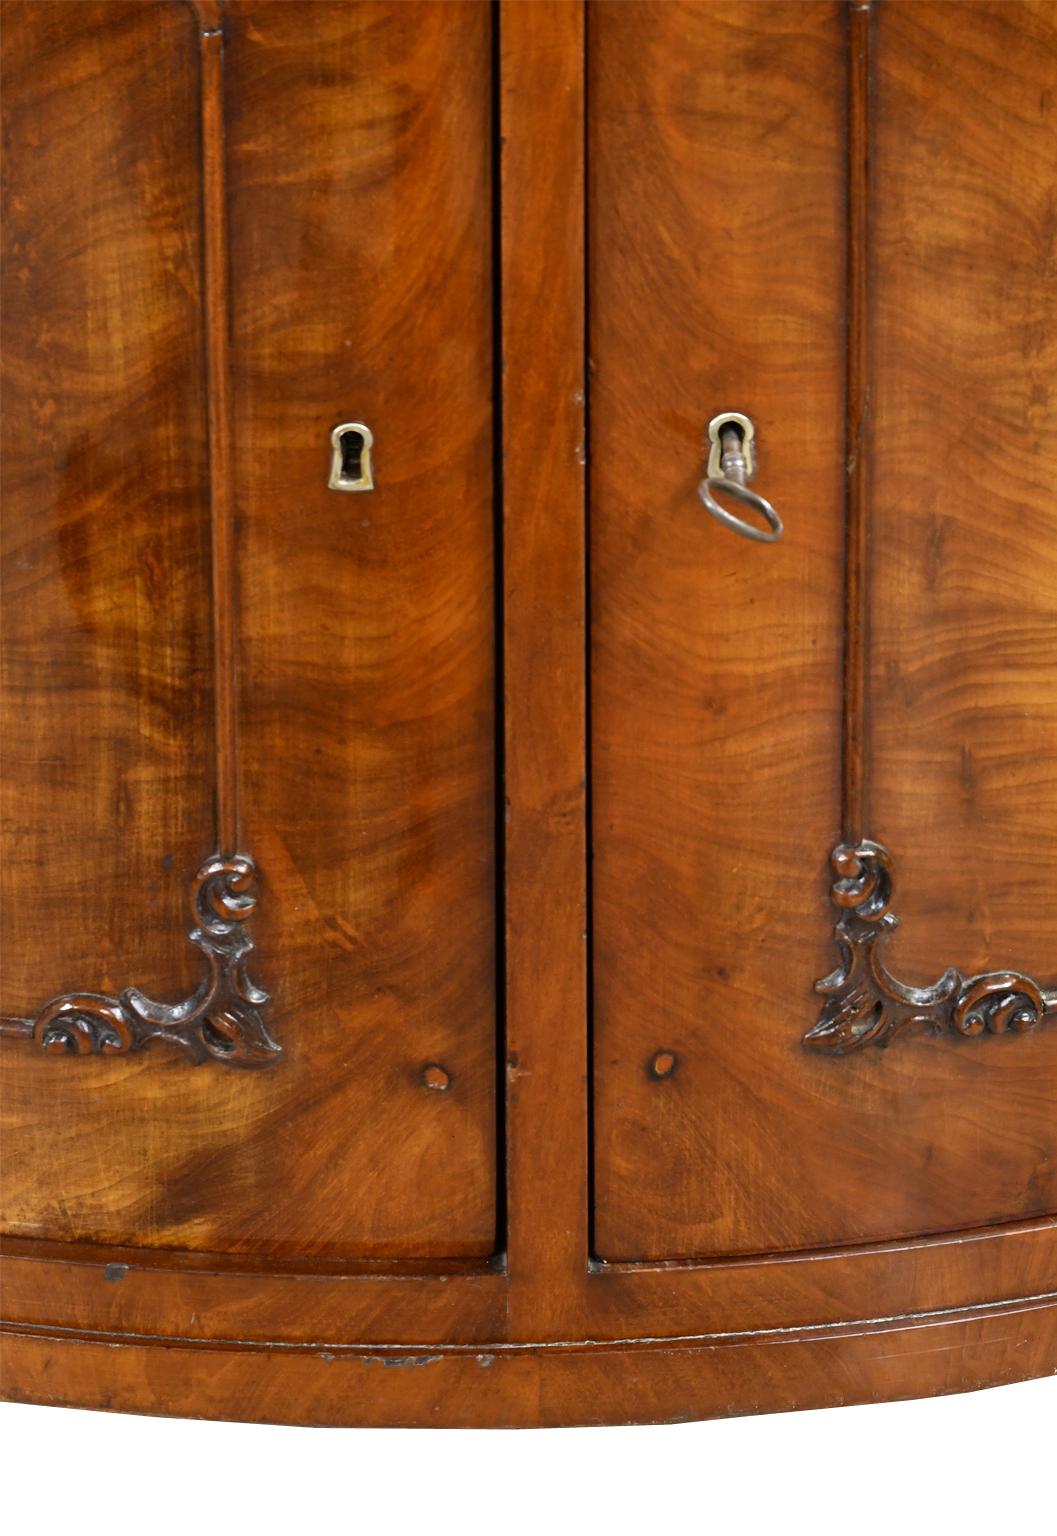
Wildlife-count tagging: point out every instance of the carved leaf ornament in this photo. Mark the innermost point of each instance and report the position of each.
(867, 1005)
(220, 1021)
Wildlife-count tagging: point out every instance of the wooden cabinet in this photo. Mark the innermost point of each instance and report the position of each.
(364, 619)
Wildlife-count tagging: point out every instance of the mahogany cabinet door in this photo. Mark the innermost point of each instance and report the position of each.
(843, 228)
(218, 249)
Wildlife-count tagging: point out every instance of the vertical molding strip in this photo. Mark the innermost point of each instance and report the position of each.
(216, 309)
(854, 807)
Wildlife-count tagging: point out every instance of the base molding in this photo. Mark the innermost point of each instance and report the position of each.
(632, 1382)
(416, 1343)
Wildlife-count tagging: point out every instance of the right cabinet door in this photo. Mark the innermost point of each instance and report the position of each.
(842, 226)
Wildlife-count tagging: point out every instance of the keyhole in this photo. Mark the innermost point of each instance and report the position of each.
(731, 433)
(351, 455)
(731, 437)
(350, 463)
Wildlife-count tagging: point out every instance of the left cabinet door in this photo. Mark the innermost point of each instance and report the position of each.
(229, 230)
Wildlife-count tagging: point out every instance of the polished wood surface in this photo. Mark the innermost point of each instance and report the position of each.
(539, 767)
(963, 450)
(701, 818)
(216, 286)
(359, 151)
(107, 735)
(88, 1289)
(715, 697)
(107, 729)
(857, 353)
(646, 1383)
(541, 82)
(365, 623)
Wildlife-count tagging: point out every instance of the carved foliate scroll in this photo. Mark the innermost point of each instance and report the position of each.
(220, 1021)
(867, 1005)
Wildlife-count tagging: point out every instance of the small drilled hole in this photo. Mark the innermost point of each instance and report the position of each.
(662, 1064)
(435, 1077)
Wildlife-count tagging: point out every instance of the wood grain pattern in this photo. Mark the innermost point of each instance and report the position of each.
(209, 1296)
(733, 1151)
(892, 1280)
(646, 1383)
(366, 623)
(964, 452)
(854, 745)
(222, 1299)
(216, 262)
(775, 1229)
(716, 137)
(359, 154)
(107, 735)
(542, 189)
(221, 1020)
(107, 742)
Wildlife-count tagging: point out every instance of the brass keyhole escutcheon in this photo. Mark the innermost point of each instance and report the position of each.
(350, 459)
(721, 426)
(731, 464)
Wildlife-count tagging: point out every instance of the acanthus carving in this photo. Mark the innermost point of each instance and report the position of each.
(220, 1021)
(867, 1005)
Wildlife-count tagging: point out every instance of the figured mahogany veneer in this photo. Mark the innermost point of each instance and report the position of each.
(740, 694)
(504, 787)
(206, 648)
